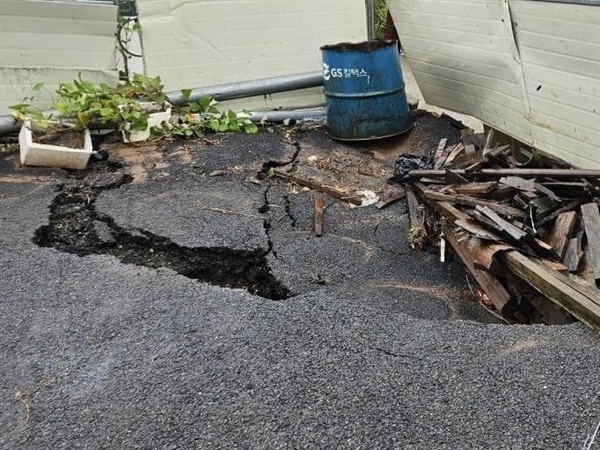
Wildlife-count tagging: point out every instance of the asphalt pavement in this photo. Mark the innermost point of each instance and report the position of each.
(113, 335)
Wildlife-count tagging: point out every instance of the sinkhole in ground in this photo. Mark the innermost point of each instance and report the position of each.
(76, 227)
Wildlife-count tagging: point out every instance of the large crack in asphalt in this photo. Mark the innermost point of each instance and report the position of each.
(264, 209)
(76, 227)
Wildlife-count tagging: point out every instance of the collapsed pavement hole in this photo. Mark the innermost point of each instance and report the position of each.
(76, 227)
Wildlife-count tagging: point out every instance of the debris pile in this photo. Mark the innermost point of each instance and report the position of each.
(530, 236)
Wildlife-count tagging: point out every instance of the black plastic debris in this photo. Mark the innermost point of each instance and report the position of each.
(407, 162)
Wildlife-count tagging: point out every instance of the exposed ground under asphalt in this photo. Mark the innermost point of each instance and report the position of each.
(147, 305)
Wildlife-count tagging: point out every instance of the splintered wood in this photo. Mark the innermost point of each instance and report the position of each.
(529, 236)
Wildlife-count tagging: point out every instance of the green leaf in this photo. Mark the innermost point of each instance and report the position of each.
(186, 93)
(38, 87)
(251, 129)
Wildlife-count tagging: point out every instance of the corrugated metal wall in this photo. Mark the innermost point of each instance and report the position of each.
(528, 68)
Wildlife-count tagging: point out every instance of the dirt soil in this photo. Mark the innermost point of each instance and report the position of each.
(62, 138)
(175, 296)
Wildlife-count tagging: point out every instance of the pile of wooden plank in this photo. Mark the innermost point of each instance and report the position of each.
(530, 236)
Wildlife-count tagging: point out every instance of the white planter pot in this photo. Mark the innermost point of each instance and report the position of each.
(46, 155)
(154, 119)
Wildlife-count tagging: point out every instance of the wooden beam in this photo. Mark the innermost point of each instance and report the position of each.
(558, 288)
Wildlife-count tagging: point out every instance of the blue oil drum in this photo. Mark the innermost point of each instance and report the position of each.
(364, 90)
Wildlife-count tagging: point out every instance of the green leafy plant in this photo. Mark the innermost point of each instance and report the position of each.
(127, 108)
(143, 88)
(83, 101)
(40, 122)
(24, 110)
(203, 115)
(381, 12)
(118, 106)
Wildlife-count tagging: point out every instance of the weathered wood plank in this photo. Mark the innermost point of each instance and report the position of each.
(330, 190)
(518, 183)
(573, 254)
(590, 217)
(456, 150)
(441, 154)
(498, 295)
(550, 217)
(390, 198)
(468, 160)
(507, 228)
(475, 228)
(557, 287)
(415, 213)
(500, 208)
(562, 232)
(474, 189)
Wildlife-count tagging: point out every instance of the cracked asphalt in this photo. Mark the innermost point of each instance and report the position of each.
(378, 348)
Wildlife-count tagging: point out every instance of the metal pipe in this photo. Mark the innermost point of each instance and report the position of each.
(253, 88)
(293, 115)
(497, 173)
(371, 32)
(9, 125)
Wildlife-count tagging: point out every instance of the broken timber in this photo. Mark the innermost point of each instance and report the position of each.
(591, 222)
(330, 190)
(520, 232)
(582, 302)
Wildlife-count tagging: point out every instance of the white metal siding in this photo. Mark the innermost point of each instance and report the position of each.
(560, 53)
(207, 42)
(468, 57)
(49, 42)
